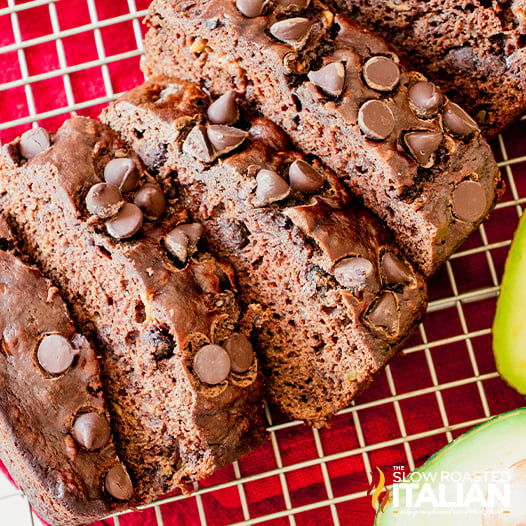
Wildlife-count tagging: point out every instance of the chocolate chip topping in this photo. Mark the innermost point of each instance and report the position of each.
(151, 200)
(240, 351)
(181, 242)
(118, 483)
(197, 145)
(292, 31)
(126, 223)
(425, 99)
(468, 201)
(33, 142)
(251, 8)
(457, 121)
(292, 5)
(212, 364)
(381, 73)
(91, 430)
(122, 173)
(224, 110)
(394, 270)
(104, 200)
(330, 79)
(376, 120)
(224, 139)
(270, 187)
(356, 273)
(304, 178)
(422, 145)
(383, 313)
(55, 354)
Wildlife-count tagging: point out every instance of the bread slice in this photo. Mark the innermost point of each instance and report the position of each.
(415, 158)
(148, 316)
(336, 295)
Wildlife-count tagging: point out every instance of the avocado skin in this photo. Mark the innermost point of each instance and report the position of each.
(497, 444)
(509, 326)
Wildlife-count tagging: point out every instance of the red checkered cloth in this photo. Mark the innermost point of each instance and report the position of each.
(303, 466)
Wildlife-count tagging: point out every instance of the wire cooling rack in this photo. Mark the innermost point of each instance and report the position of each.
(63, 57)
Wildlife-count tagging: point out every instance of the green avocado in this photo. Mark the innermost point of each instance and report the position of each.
(509, 326)
(479, 479)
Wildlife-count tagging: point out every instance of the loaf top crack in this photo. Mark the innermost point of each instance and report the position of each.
(415, 157)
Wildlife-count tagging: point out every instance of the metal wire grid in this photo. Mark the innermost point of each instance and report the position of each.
(454, 301)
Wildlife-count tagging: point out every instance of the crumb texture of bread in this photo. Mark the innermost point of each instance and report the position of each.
(342, 94)
(318, 264)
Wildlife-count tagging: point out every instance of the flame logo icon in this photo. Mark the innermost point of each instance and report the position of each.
(378, 491)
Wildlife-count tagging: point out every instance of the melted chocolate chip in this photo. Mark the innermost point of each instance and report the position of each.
(394, 270)
(422, 145)
(251, 8)
(212, 364)
(126, 223)
(383, 313)
(197, 145)
(91, 430)
(381, 73)
(104, 200)
(292, 31)
(55, 354)
(240, 351)
(468, 201)
(151, 200)
(356, 273)
(159, 342)
(330, 79)
(118, 483)
(425, 99)
(270, 187)
(224, 139)
(123, 173)
(304, 178)
(33, 142)
(224, 110)
(457, 121)
(376, 120)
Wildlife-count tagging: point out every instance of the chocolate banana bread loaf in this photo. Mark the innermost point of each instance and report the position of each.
(169, 335)
(336, 297)
(55, 434)
(416, 158)
(474, 50)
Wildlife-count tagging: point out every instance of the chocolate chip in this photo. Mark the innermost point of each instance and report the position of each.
(270, 187)
(251, 8)
(356, 273)
(123, 173)
(457, 121)
(181, 242)
(197, 145)
(104, 200)
(383, 313)
(376, 120)
(425, 99)
(381, 73)
(126, 223)
(224, 110)
(151, 200)
(468, 201)
(240, 351)
(158, 342)
(91, 430)
(304, 178)
(292, 31)
(224, 139)
(394, 270)
(212, 364)
(33, 142)
(118, 483)
(330, 79)
(422, 145)
(55, 354)
(292, 5)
